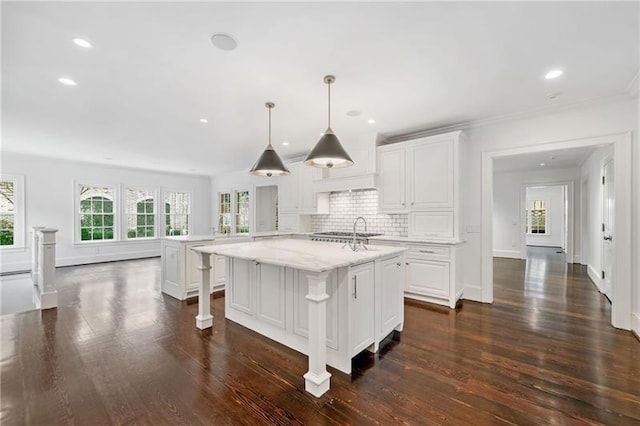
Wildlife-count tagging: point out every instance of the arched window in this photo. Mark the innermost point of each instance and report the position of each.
(177, 208)
(141, 214)
(96, 213)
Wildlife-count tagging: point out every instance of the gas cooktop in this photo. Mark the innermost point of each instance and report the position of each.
(345, 234)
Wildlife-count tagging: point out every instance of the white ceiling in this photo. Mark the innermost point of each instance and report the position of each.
(153, 73)
(558, 159)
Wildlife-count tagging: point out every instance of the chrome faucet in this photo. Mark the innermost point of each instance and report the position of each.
(355, 243)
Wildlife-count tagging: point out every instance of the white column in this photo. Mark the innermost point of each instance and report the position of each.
(317, 379)
(35, 250)
(47, 268)
(204, 318)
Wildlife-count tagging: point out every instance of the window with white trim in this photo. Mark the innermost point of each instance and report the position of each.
(177, 208)
(140, 214)
(11, 211)
(536, 214)
(96, 212)
(242, 212)
(224, 208)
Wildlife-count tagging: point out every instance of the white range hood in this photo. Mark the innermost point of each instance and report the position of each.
(362, 175)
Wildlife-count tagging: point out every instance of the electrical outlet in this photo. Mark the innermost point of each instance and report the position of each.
(513, 244)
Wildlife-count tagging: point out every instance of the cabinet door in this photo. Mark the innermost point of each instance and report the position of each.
(241, 292)
(428, 277)
(431, 175)
(361, 309)
(391, 180)
(270, 307)
(390, 297)
(308, 201)
(219, 268)
(288, 190)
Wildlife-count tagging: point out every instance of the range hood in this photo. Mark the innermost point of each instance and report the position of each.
(362, 175)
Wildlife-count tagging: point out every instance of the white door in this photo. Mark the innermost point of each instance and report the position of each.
(608, 205)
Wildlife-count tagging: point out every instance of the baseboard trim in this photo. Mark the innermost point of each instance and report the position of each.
(14, 268)
(472, 292)
(109, 257)
(509, 254)
(576, 259)
(595, 278)
(635, 325)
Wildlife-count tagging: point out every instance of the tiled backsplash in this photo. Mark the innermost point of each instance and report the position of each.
(345, 207)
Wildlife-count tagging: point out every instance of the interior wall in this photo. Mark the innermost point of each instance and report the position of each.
(591, 173)
(614, 117)
(508, 217)
(553, 197)
(49, 201)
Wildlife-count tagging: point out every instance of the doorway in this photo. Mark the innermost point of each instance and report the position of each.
(620, 246)
(548, 217)
(266, 212)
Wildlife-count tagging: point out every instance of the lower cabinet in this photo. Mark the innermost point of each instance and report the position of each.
(361, 307)
(390, 291)
(428, 277)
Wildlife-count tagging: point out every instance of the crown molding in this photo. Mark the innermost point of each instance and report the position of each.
(628, 94)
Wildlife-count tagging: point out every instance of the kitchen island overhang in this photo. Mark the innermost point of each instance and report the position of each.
(318, 298)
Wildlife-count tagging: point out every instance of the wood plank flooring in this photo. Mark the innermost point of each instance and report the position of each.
(117, 351)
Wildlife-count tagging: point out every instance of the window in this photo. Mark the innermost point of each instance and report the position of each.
(224, 217)
(177, 206)
(536, 214)
(141, 214)
(96, 210)
(242, 212)
(11, 211)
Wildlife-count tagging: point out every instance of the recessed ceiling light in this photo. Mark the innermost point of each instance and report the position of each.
(553, 74)
(371, 121)
(192, 170)
(285, 143)
(82, 43)
(353, 113)
(67, 81)
(542, 164)
(224, 41)
(204, 120)
(108, 158)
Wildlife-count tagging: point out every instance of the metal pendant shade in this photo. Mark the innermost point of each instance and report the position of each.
(269, 164)
(328, 151)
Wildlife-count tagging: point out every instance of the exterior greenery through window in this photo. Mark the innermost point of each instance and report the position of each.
(96, 213)
(177, 206)
(224, 219)
(7, 213)
(242, 212)
(536, 217)
(141, 214)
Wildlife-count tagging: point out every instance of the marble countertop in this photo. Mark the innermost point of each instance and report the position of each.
(230, 237)
(313, 256)
(383, 238)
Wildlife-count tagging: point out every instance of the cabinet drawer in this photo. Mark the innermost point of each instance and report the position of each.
(428, 252)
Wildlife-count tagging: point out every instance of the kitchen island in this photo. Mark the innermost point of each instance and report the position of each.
(318, 298)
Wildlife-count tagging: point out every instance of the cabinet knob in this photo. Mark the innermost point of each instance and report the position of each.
(407, 263)
(398, 264)
(412, 203)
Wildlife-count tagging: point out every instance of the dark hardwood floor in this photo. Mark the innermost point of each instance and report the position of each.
(117, 351)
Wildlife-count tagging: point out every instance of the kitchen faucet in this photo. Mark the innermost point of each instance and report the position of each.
(354, 244)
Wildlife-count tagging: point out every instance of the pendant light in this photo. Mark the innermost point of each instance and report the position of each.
(328, 152)
(269, 164)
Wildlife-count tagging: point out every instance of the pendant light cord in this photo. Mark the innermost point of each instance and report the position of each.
(329, 87)
(269, 126)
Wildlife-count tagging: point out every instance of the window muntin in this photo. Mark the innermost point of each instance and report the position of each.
(96, 211)
(141, 214)
(7, 212)
(536, 214)
(242, 212)
(177, 208)
(224, 216)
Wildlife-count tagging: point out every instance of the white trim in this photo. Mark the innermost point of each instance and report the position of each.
(19, 213)
(125, 214)
(76, 233)
(509, 254)
(162, 215)
(635, 323)
(594, 275)
(621, 308)
(472, 292)
(107, 257)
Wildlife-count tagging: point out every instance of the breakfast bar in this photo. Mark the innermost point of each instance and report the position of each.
(322, 299)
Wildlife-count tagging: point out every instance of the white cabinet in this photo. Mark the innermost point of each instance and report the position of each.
(422, 178)
(361, 307)
(179, 273)
(295, 191)
(389, 295)
(431, 273)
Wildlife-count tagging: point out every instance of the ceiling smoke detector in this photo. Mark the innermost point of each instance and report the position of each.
(224, 41)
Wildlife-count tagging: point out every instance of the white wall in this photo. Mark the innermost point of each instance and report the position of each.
(553, 196)
(585, 122)
(591, 173)
(49, 193)
(508, 229)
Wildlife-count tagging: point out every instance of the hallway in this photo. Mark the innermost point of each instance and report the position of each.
(118, 351)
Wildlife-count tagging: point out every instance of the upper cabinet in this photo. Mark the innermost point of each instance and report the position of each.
(421, 177)
(296, 193)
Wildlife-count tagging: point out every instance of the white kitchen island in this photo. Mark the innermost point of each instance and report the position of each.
(318, 298)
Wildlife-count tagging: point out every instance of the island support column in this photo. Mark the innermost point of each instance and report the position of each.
(317, 379)
(204, 318)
